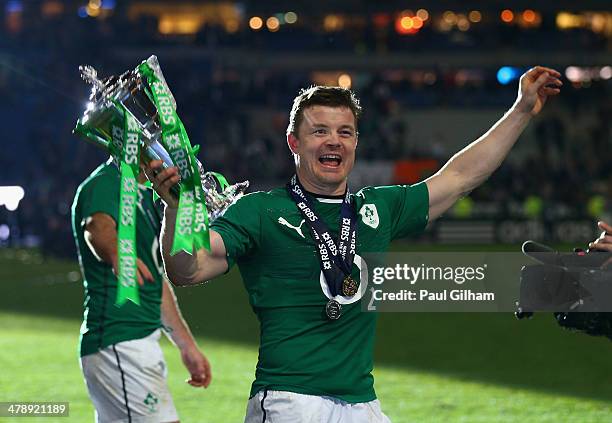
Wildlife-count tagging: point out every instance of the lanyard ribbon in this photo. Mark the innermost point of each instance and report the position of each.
(336, 257)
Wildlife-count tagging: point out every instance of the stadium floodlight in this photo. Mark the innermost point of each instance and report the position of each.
(507, 74)
(10, 196)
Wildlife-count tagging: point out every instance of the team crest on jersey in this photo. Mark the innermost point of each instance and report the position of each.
(151, 402)
(369, 215)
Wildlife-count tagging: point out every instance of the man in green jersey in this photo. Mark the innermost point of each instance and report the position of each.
(121, 358)
(299, 251)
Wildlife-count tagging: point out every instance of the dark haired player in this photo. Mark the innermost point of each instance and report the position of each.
(299, 250)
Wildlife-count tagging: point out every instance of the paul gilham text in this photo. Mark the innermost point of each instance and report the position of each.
(456, 295)
(425, 295)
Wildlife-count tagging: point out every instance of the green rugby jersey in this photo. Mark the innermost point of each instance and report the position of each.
(104, 323)
(301, 350)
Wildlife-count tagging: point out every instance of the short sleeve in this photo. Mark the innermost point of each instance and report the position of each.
(408, 207)
(101, 195)
(240, 228)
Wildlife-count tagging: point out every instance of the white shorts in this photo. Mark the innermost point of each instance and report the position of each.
(127, 382)
(290, 407)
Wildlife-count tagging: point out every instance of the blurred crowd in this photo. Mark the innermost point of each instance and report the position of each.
(239, 118)
(358, 32)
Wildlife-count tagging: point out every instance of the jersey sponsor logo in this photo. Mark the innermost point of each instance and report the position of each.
(298, 229)
(363, 276)
(369, 215)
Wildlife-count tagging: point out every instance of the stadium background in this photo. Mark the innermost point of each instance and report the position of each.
(432, 77)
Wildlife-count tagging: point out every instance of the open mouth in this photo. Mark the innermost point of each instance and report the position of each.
(331, 160)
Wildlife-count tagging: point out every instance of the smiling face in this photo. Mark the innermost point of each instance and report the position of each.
(324, 148)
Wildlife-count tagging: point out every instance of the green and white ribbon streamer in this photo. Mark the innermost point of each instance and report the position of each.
(127, 289)
(191, 230)
(121, 137)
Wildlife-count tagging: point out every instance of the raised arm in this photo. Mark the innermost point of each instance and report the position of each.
(471, 166)
(182, 268)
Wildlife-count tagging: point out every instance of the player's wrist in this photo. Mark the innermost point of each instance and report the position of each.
(170, 213)
(171, 204)
(187, 345)
(521, 109)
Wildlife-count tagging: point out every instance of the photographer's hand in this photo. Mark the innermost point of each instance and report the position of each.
(604, 242)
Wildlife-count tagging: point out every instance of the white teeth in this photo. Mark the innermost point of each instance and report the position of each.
(331, 156)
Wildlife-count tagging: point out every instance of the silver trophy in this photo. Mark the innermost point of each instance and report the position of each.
(132, 91)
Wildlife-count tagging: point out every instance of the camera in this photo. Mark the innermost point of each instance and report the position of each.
(576, 287)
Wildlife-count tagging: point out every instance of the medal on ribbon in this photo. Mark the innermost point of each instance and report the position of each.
(336, 258)
(349, 286)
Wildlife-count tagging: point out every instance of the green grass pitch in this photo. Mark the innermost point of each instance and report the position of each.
(429, 367)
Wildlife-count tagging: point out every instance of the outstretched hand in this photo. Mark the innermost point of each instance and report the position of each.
(535, 86)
